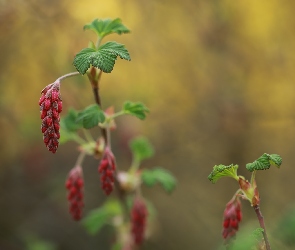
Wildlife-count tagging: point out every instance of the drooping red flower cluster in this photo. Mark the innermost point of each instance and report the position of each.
(74, 185)
(231, 219)
(139, 215)
(107, 168)
(50, 108)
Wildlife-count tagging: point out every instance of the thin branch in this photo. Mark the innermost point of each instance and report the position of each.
(80, 159)
(262, 225)
(95, 80)
(67, 76)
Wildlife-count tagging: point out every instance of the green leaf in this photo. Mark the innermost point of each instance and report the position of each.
(246, 241)
(66, 136)
(116, 246)
(137, 109)
(264, 162)
(104, 58)
(91, 45)
(285, 227)
(91, 116)
(103, 27)
(69, 126)
(99, 217)
(69, 123)
(33, 242)
(161, 176)
(148, 178)
(141, 148)
(275, 160)
(223, 171)
(257, 234)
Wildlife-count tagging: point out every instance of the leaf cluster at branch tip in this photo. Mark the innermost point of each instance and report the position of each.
(103, 58)
(264, 162)
(223, 171)
(103, 27)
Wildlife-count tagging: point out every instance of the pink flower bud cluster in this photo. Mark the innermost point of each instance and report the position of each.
(50, 108)
(231, 219)
(74, 185)
(107, 168)
(139, 215)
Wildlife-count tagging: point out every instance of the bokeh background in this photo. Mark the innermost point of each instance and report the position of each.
(218, 77)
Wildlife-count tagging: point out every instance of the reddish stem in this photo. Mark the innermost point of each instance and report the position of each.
(94, 80)
(262, 225)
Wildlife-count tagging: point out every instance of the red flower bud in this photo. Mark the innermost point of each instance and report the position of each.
(50, 106)
(107, 170)
(139, 215)
(231, 219)
(74, 184)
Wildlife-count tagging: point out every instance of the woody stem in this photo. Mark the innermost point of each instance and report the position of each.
(262, 225)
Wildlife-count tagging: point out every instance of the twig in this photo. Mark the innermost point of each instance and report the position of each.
(95, 80)
(262, 225)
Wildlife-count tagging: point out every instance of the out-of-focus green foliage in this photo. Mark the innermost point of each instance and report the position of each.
(107, 26)
(284, 230)
(218, 77)
(35, 243)
(141, 148)
(150, 177)
(101, 216)
(137, 109)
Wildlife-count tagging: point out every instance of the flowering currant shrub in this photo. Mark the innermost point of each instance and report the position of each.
(127, 210)
(248, 191)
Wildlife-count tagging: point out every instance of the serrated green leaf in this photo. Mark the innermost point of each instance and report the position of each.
(223, 171)
(141, 148)
(104, 58)
(264, 162)
(91, 116)
(137, 109)
(99, 217)
(103, 27)
(161, 176)
(275, 159)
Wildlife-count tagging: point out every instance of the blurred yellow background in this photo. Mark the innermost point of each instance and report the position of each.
(218, 77)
